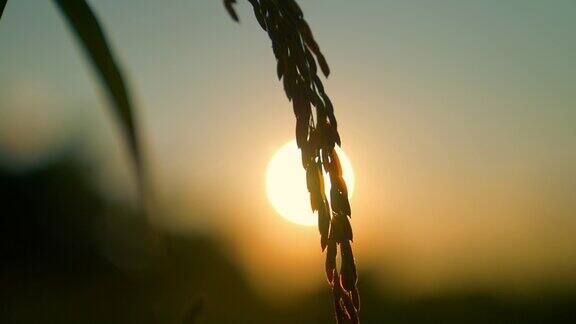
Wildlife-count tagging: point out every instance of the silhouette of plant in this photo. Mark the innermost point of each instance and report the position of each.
(2, 6)
(296, 54)
(85, 25)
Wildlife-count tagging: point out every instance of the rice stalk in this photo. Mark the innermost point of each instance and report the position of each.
(298, 57)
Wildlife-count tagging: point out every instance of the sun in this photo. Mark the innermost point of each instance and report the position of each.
(286, 184)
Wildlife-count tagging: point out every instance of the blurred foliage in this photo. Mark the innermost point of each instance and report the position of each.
(67, 255)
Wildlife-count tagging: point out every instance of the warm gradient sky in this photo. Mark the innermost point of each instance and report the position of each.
(458, 117)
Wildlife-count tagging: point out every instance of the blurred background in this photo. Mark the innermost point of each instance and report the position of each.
(458, 117)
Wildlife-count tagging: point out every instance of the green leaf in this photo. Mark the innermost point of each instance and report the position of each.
(93, 40)
(2, 6)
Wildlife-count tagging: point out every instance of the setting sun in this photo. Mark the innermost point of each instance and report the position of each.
(286, 184)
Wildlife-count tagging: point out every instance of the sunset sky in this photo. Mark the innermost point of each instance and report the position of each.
(458, 117)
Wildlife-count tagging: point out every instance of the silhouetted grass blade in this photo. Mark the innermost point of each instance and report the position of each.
(90, 34)
(229, 4)
(2, 6)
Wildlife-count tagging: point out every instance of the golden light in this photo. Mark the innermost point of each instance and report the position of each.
(286, 184)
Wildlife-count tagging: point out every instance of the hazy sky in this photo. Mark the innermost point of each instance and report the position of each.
(458, 117)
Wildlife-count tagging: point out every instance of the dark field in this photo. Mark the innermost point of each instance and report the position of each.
(69, 256)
